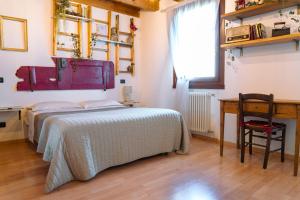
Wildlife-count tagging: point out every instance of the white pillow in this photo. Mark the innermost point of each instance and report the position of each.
(100, 104)
(54, 105)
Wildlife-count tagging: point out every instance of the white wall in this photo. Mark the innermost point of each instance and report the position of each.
(268, 69)
(39, 16)
(157, 70)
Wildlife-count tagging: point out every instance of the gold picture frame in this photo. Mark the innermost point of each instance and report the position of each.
(24, 31)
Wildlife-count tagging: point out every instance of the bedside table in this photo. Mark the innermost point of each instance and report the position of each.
(130, 103)
(12, 109)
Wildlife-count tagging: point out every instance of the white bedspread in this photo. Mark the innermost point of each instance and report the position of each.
(81, 145)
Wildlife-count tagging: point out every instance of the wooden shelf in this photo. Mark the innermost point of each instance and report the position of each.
(99, 21)
(265, 41)
(74, 18)
(67, 34)
(126, 59)
(100, 35)
(115, 42)
(124, 33)
(64, 49)
(100, 49)
(259, 9)
(124, 72)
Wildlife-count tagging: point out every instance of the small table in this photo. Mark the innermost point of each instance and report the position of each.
(12, 109)
(283, 109)
(129, 103)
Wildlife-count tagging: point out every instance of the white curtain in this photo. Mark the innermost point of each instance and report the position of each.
(194, 45)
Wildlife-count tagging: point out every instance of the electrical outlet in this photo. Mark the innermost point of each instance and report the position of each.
(1, 80)
(2, 124)
(122, 81)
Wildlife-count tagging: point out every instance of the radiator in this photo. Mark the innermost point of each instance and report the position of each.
(199, 112)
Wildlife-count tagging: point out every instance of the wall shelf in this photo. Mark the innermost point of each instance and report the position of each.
(64, 49)
(100, 49)
(57, 32)
(115, 42)
(124, 72)
(265, 41)
(75, 18)
(106, 35)
(126, 59)
(67, 34)
(259, 9)
(118, 45)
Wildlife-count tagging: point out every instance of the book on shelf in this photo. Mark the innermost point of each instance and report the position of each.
(257, 31)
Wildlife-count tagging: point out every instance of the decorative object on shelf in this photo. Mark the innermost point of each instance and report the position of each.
(257, 31)
(132, 25)
(238, 34)
(62, 7)
(251, 3)
(130, 68)
(100, 29)
(72, 12)
(76, 46)
(92, 44)
(239, 4)
(85, 12)
(114, 34)
(90, 74)
(280, 29)
(17, 26)
(129, 39)
(60, 44)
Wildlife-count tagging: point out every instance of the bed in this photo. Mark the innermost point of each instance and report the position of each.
(79, 143)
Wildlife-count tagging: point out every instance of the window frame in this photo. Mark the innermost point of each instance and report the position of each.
(216, 82)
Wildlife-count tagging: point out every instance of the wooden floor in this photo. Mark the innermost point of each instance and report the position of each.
(201, 175)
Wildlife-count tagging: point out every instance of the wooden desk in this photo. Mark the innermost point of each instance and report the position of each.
(283, 109)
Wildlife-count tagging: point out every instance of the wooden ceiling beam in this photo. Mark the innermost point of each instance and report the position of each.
(113, 6)
(149, 5)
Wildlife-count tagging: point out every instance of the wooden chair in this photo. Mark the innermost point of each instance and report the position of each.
(264, 126)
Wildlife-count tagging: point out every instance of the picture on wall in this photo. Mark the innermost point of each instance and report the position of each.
(13, 34)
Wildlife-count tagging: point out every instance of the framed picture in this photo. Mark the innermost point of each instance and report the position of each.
(13, 34)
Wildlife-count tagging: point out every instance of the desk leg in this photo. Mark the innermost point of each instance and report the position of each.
(222, 121)
(297, 140)
(238, 132)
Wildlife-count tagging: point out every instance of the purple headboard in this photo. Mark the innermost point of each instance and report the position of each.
(68, 74)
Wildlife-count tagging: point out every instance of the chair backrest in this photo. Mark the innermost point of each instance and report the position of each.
(268, 99)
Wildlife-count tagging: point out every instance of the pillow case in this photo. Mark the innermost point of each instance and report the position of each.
(54, 105)
(100, 104)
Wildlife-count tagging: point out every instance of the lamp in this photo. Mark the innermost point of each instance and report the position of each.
(127, 93)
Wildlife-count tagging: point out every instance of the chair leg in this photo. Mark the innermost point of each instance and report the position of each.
(283, 145)
(250, 141)
(267, 152)
(242, 145)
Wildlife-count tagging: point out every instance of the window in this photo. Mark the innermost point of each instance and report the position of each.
(195, 39)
